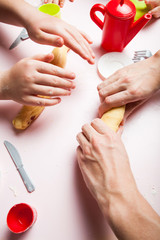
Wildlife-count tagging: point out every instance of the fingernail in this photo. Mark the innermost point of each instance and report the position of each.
(91, 61)
(69, 93)
(98, 87)
(100, 93)
(73, 85)
(58, 100)
(49, 55)
(86, 56)
(73, 75)
(59, 42)
(93, 55)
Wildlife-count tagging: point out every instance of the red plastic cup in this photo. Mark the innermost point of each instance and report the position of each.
(21, 217)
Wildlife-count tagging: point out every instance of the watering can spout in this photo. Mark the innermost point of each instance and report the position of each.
(137, 26)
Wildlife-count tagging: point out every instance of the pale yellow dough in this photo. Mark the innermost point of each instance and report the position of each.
(60, 56)
(114, 117)
(28, 114)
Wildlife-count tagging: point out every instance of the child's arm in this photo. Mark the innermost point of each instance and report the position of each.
(59, 2)
(45, 29)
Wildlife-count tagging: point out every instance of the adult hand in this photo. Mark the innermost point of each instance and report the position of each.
(132, 84)
(31, 78)
(103, 162)
(106, 171)
(58, 2)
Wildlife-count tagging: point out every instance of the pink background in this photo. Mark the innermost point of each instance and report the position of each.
(66, 210)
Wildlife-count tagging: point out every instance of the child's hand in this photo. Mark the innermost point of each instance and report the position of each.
(154, 6)
(33, 77)
(58, 2)
(45, 29)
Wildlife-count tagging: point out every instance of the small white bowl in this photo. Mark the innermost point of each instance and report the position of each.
(111, 62)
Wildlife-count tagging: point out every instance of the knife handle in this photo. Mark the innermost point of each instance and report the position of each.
(27, 182)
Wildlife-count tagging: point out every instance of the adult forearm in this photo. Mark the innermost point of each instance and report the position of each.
(15, 13)
(105, 167)
(157, 56)
(132, 218)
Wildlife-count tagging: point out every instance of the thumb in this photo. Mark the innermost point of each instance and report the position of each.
(44, 57)
(120, 130)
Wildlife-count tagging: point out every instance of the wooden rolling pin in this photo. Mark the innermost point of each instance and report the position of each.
(28, 114)
(114, 117)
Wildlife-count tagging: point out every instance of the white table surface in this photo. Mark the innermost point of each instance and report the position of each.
(66, 210)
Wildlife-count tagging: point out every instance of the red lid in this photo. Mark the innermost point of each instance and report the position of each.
(121, 8)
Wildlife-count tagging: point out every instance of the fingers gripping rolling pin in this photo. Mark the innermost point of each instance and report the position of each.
(108, 64)
(28, 114)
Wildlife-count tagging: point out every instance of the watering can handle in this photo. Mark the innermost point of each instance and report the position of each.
(97, 8)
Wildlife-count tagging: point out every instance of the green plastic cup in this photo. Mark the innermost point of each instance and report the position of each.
(51, 9)
(141, 9)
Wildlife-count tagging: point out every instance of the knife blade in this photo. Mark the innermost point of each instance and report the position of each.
(21, 37)
(19, 165)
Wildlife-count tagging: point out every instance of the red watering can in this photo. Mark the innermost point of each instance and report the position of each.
(118, 26)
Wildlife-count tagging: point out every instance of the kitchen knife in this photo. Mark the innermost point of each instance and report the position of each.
(21, 37)
(19, 165)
